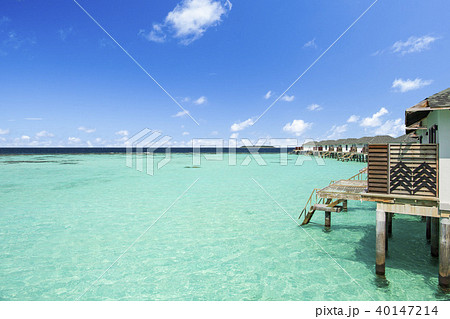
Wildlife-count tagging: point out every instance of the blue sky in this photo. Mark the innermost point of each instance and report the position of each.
(63, 81)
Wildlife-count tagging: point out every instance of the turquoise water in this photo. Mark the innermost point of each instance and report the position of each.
(64, 220)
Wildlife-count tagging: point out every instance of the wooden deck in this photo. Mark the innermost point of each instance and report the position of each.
(344, 189)
(398, 203)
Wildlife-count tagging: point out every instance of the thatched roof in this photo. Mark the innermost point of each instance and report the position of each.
(407, 138)
(312, 143)
(379, 139)
(438, 101)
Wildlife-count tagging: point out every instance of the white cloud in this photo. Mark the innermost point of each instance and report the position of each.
(44, 134)
(311, 44)
(185, 133)
(393, 128)
(378, 52)
(4, 132)
(201, 100)
(288, 98)
(315, 107)
(122, 133)
(86, 130)
(25, 138)
(374, 120)
(16, 41)
(73, 140)
(33, 118)
(268, 95)
(409, 85)
(106, 43)
(181, 114)
(241, 125)
(353, 119)
(189, 20)
(413, 44)
(336, 131)
(297, 127)
(156, 35)
(234, 135)
(64, 33)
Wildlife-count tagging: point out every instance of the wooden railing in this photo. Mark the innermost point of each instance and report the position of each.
(312, 200)
(361, 176)
(315, 199)
(410, 169)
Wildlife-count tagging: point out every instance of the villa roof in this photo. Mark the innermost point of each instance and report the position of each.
(438, 101)
(379, 139)
(407, 138)
(361, 141)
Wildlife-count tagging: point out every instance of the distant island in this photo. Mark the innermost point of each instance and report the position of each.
(258, 146)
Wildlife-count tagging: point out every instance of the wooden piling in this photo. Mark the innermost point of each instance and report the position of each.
(386, 239)
(344, 205)
(444, 254)
(428, 227)
(434, 236)
(380, 243)
(389, 223)
(327, 220)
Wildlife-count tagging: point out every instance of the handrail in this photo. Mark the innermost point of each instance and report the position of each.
(308, 202)
(358, 176)
(317, 200)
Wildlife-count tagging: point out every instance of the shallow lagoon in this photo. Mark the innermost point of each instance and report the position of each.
(64, 219)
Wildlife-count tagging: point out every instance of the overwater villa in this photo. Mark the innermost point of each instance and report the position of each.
(402, 178)
(350, 148)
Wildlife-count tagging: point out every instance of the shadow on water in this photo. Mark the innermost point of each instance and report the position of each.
(380, 282)
(408, 250)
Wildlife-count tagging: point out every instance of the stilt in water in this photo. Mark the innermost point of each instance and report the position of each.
(428, 234)
(444, 254)
(434, 236)
(327, 220)
(344, 205)
(389, 223)
(386, 240)
(380, 243)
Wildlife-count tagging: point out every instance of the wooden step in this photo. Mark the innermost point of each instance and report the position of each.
(326, 208)
(308, 216)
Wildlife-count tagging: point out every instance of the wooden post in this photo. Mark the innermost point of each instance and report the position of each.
(327, 220)
(444, 254)
(380, 243)
(428, 234)
(434, 236)
(386, 239)
(344, 205)
(389, 224)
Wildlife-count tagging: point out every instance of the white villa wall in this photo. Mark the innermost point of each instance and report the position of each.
(443, 135)
(442, 120)
(308, 147)
(359, 147)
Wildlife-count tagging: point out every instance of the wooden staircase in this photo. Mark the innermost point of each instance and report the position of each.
(315, 202)
(328, 206)
(346, 157)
